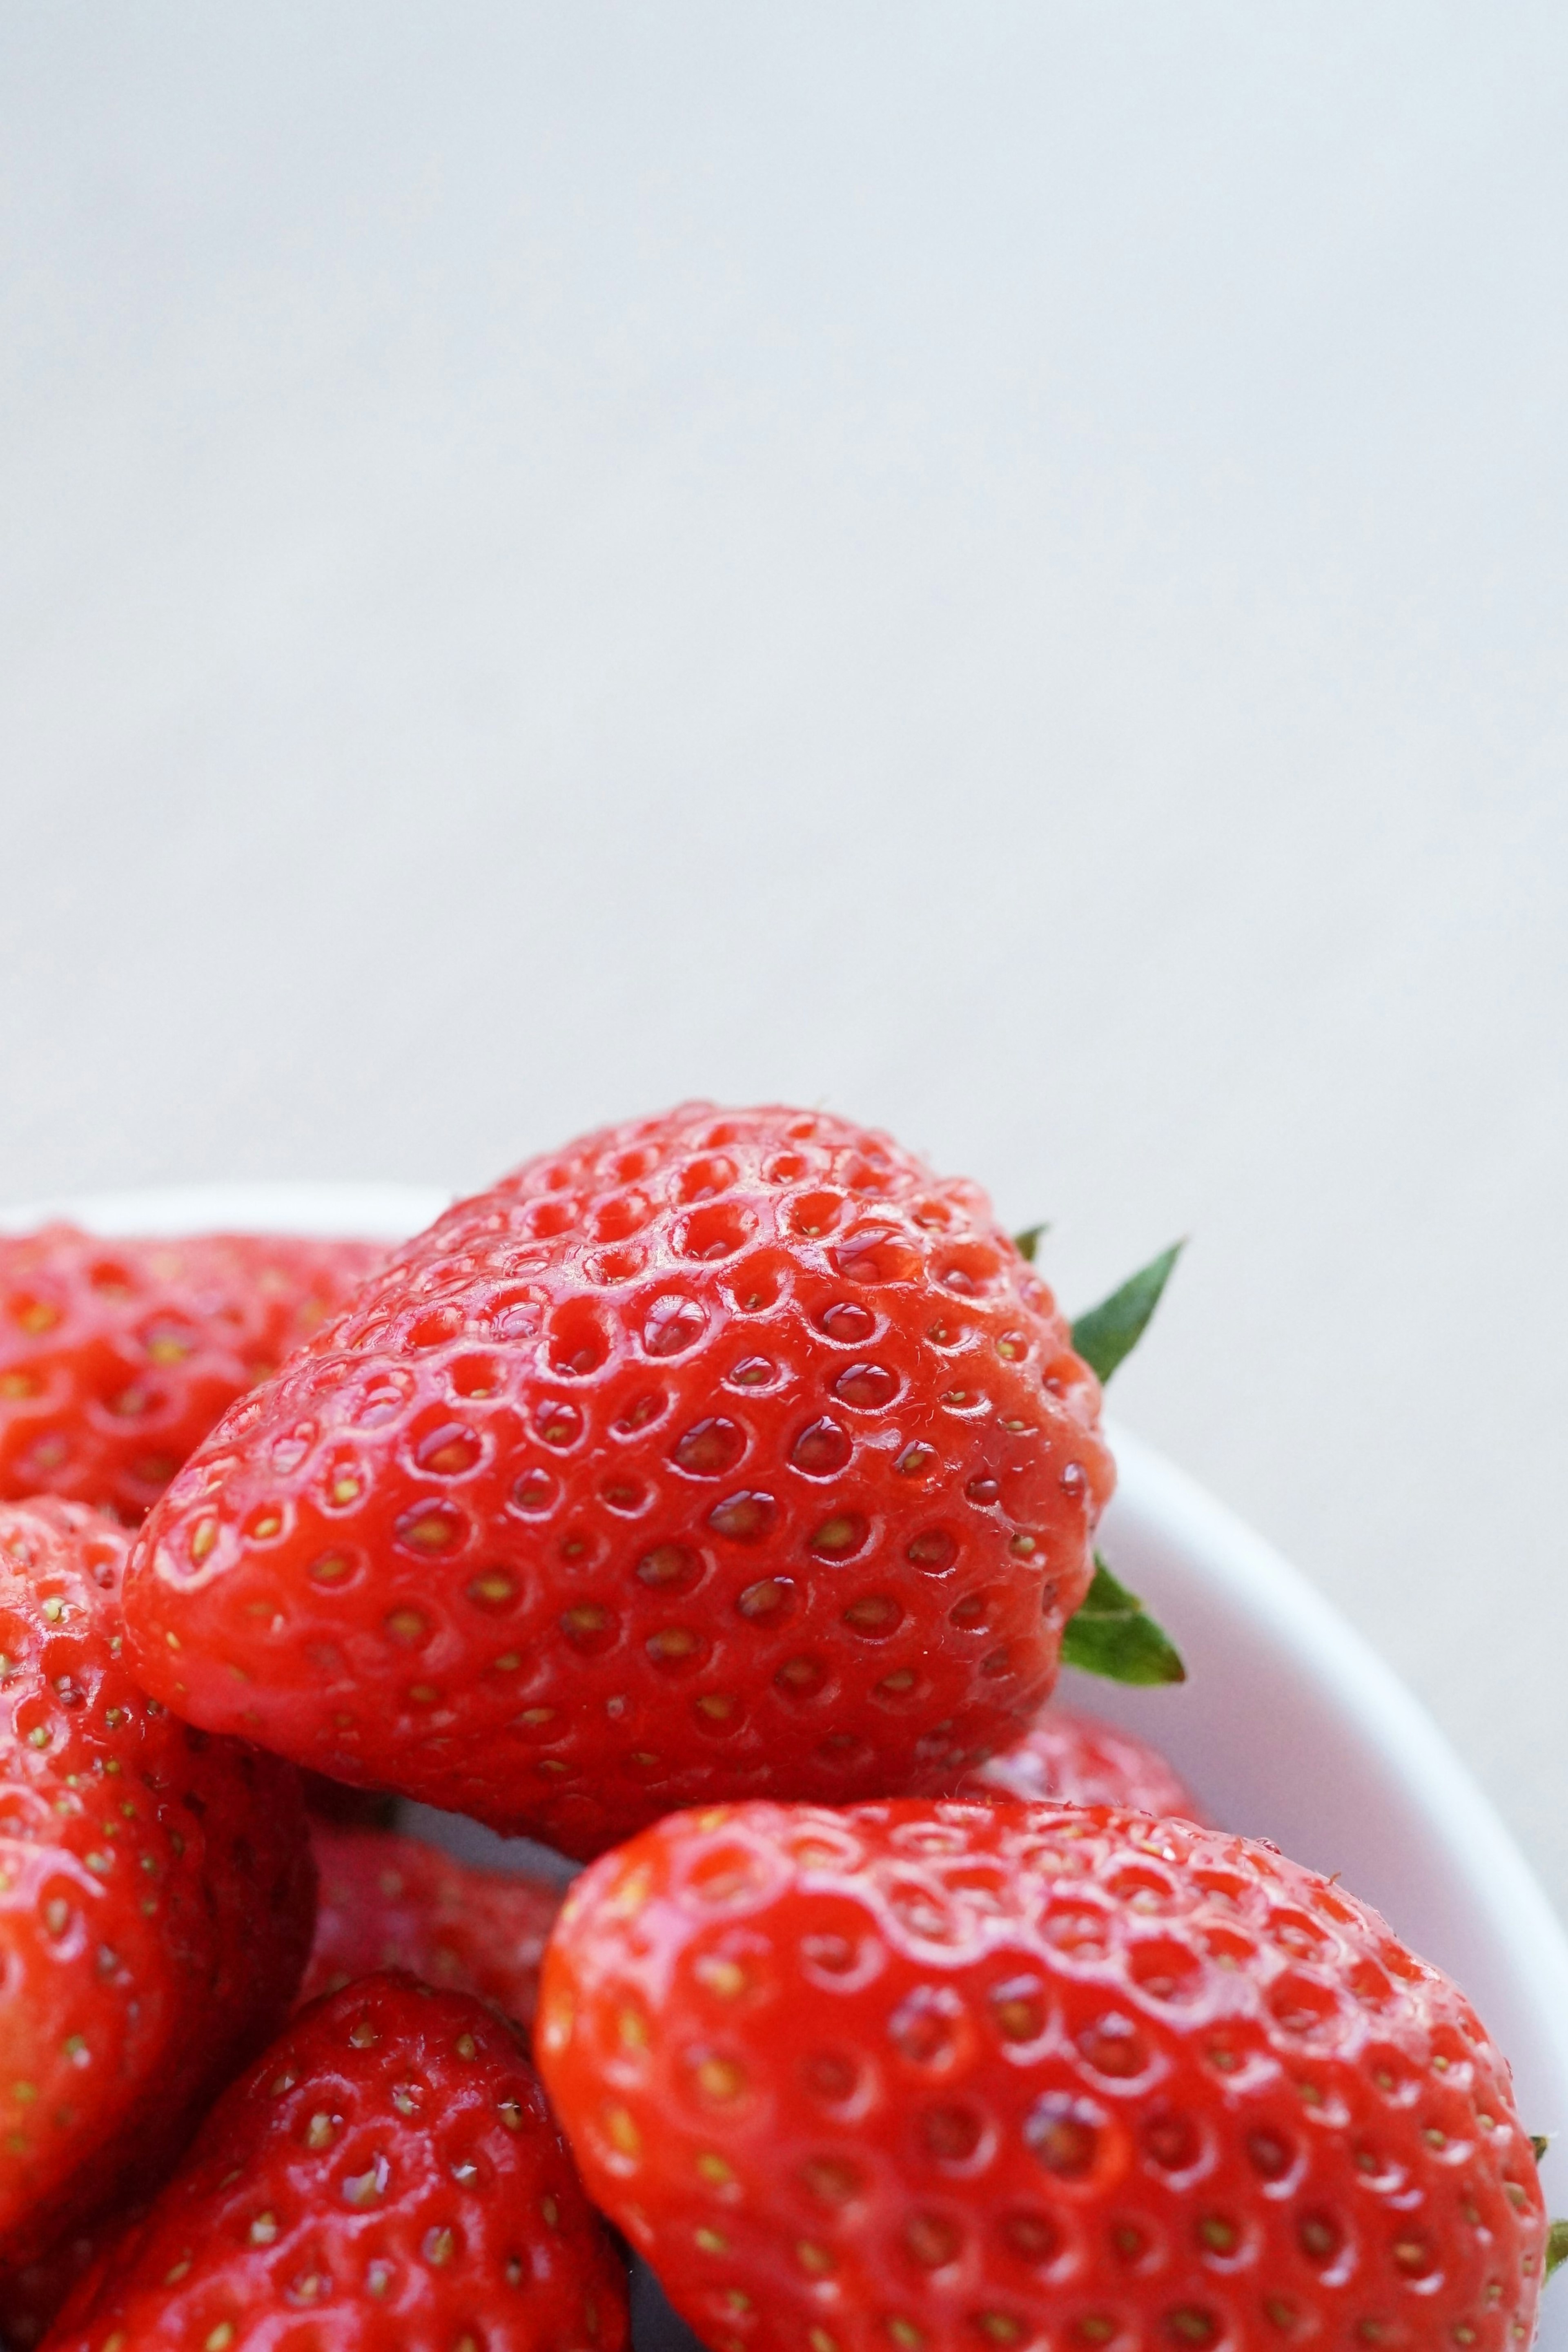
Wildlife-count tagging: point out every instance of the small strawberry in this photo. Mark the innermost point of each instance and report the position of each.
(156, 1892)
(117, 1357)
(389, 1902)
(722, 1453)
(1074, 1759)
(957, 2076)
(386, 2179)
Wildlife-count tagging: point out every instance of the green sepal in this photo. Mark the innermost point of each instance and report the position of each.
(1107, 1334)
(1028, 1240)
(1111, 1633)
(1539, 2143)
(1556, 2246)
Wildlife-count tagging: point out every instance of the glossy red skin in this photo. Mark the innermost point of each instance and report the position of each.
(565, 1522)
(389, 1902)
(117, 1357)
(157, 1893)
(956, 2074)
(437, 2208)
(1074, 1760)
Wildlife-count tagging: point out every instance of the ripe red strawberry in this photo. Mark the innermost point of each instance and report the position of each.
(957, 2076)
(726, 1451)
(156, 1892)
(389, 1902)
(1073, 1759)
(386, 2179)
(117, 1357)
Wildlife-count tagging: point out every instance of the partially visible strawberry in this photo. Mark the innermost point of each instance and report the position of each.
(156, 1892)
(724, 1453)
(387, 2178)
(957, 2076)
(1074, 1759)
(389, 1902)
(117, 1357)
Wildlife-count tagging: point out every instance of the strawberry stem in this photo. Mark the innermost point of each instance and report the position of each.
(1113, 1634)
(1107, 1335)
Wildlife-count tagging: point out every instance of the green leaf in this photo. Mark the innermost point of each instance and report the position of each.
(1539, 2143)
(1556, 2246)
(1027, 1242)
(1111, 1633)
(1108, 1333)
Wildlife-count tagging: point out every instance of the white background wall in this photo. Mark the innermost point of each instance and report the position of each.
(1002, 569)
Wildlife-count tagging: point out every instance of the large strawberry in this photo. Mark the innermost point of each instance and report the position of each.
(1075, 1759)
(388, 1902)
(156, 1891)
(386, 2179)
(957, 2075)
(117, 1357)
(726, 1451)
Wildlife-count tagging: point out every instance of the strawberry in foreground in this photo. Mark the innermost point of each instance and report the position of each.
(117, 1357)
(388, 1902)
(1074, 1760)
(386, 2179)
(951, 2075)
(156, 1892)
(723, 1453)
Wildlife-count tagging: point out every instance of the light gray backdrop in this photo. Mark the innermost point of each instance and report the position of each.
(1001, 568)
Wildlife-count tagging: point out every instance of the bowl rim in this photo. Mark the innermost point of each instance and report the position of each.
(1416, 1756)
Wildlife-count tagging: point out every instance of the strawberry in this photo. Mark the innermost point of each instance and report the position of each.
(389, 1902)
(156, 1891)
(386, 2179)
(1074, 1759)
(950, 2075)
(117, 1357)
(725, 1452)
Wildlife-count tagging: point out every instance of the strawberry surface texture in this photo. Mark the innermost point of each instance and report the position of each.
(1075, 1759)
(156, 1892)
(943, 2076)
(389, 1902)
(386, 2179)
(117, 1357)
(720, 1454)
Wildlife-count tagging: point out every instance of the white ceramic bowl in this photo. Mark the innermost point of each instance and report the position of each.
(1288, 1728)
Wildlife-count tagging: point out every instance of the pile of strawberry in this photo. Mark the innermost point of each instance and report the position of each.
(716, 1497)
